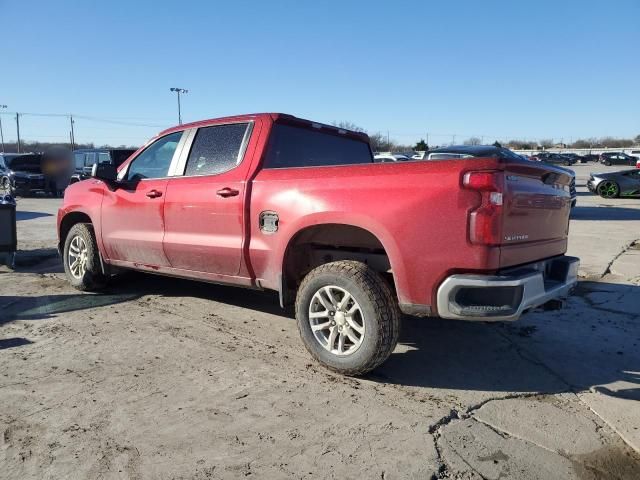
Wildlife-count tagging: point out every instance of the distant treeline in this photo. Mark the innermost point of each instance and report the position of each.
(29, 146)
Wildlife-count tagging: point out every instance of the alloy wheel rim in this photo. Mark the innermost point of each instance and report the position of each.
(77, 257)
(609, 189)
(336, 320)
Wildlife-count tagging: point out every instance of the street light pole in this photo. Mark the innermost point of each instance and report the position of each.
(72, 136)
(2, 134)
(18, 129)
(179, 90)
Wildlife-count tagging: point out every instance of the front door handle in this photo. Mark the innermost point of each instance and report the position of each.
(227, 192)
(154, 194)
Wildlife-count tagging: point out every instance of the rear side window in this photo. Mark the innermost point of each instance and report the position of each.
(216, 149)
(291, 146)
(104, 157)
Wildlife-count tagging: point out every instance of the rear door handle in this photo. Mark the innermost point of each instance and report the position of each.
(154, 194)
(227, 192)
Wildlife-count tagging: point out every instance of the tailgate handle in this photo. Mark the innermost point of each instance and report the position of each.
(154, 194)
(227, 192)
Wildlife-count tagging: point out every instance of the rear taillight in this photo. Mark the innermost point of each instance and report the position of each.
(485, 222)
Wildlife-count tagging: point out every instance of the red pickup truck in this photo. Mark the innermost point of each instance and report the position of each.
(271, 201)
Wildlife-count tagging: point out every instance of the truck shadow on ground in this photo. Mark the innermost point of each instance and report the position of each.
(588, 346)
(609, 212)
(22, 215)
(577, 349)
(45, 307)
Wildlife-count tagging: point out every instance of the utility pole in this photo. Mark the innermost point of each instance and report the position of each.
(427, 138)
(179, 90)
(453, 142)
(73, 136)
(18, 129)
(388, 142)
(2, 134)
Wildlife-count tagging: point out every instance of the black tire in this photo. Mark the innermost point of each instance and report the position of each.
(380, 315)
(5, 186)
(567, 164)
(92, 278)
(609, 189)
(607, 163)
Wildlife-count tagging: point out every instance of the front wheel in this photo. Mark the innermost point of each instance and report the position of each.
(608, 189)
(5, 186)
(347, 316)
(82, 259)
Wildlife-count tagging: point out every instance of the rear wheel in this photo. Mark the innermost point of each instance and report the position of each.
(82, 259)
(608, 189)
(347, 316)
(607, 163)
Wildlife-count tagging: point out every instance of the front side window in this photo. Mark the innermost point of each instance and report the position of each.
(89, 159)
(155, 160)
(104, 157)
(79, 160)
(216, 149)
(291, 146)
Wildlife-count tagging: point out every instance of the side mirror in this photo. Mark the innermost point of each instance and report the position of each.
(104, 171)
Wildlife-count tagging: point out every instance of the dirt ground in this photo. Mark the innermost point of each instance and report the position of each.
(171, 379)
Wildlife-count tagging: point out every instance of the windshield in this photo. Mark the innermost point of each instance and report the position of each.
(25, 163)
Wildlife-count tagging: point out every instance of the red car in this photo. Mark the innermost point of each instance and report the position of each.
(271, 201)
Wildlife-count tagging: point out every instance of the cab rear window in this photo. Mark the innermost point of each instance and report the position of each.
(291, 146)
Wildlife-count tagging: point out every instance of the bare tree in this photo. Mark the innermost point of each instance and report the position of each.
(546, 143)
(348, 126)
(473, 141)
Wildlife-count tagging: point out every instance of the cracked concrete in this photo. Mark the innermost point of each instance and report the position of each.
(162, 378)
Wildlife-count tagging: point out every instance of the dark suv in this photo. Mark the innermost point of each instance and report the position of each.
(21, 173)
(85, 158)
(618, 158)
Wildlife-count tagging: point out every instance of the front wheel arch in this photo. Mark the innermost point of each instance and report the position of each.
(68, 221)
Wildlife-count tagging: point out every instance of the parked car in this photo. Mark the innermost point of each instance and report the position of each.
(617, 158)
(465, 151)
(574, 157)
(590, 157)
(558, 159)
(388, 157)
(21, 173)
(271, 201)
(84, 159)
(625, 183)
(419, 155)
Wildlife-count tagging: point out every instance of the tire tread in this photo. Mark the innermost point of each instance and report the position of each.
(385, 304)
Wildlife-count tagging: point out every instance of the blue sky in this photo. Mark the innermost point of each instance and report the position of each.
(516, 69)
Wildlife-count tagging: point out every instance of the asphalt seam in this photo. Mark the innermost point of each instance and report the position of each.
(624, 250)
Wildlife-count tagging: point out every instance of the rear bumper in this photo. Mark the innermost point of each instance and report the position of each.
(506, 296)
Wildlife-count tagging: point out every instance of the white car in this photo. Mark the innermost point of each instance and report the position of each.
(447, 155)
(389, 157)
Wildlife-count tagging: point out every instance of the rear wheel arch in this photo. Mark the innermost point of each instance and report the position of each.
(319, 244)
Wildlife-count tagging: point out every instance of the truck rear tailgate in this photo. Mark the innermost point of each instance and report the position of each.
(536, 208)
